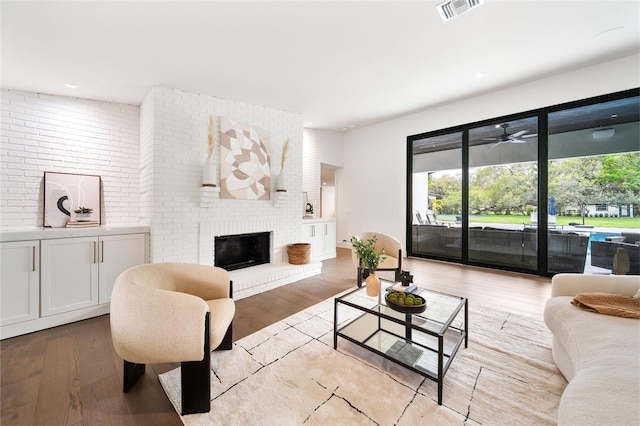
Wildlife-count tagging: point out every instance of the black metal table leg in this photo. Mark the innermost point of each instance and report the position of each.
(440, 368)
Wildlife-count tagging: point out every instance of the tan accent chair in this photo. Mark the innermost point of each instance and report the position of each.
(173, 312)
(392, 251)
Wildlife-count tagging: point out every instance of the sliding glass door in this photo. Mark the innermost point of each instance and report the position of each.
(594, 182)
(503, 194)
(436, 219)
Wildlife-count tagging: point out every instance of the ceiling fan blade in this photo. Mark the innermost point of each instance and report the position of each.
(496, 144)
(532, 135)
(517, 141)
(518, 134)
(488, 139)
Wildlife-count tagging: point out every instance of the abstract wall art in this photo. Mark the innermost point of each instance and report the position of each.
(66, 192)
(245, 170)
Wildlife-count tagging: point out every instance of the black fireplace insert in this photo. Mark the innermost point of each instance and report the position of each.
(242, 251)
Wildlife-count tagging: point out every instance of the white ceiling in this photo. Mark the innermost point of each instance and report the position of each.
(343, 64)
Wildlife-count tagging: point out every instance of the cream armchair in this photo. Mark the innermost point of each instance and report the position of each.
(392, 251)
(173, 312)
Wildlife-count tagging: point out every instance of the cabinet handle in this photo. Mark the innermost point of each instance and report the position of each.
(33, 261)
(326, 231)
(95, 256)
(102, 251)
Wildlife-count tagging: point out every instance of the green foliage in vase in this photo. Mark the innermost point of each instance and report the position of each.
(366, 252)
(86, 210)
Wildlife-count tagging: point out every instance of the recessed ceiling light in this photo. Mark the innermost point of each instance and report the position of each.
(71, 85)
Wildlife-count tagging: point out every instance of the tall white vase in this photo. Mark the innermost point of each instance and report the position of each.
(209, 172)
(281, 182)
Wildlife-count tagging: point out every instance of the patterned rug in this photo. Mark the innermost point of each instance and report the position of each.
(289, 374)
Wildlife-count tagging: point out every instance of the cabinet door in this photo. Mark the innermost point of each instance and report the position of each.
(20, 282)
(317, 240)
(118, 253)
(330, 239)
(69, 274)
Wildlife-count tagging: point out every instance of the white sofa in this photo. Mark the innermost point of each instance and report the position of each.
(598, 354)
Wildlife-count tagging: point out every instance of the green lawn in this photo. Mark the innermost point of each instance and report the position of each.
(604, 222)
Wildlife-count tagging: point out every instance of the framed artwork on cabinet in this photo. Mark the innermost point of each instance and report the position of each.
(66, 192)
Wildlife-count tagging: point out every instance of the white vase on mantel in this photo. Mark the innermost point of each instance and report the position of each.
(281, 182)
(209, 173)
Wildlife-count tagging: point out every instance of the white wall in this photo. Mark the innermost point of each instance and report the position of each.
(67, 135)
(372, 194)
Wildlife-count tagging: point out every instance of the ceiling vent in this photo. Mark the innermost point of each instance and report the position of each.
(452, 8)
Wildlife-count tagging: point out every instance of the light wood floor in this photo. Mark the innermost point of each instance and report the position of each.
(71, 375)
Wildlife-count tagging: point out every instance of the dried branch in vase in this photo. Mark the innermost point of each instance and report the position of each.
(210, 136)
(285, 148)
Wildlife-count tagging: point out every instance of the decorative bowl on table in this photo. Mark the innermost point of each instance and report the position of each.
(407, 303)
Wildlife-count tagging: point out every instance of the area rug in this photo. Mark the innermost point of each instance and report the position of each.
(289, 374)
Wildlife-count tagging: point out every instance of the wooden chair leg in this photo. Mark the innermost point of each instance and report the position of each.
(195, 377)
(131, 372)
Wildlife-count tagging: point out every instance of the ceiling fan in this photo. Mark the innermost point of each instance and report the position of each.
(505, 137)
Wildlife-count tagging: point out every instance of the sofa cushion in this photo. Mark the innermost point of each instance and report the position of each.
(589, 338)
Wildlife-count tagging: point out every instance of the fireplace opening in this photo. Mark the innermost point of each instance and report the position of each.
(242, 251)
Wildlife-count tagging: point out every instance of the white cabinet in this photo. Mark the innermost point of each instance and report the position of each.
(69, 274)
(322, 237)
(80, 272)
(312, 233)
(330, 239)
(54, 277)
(118, 253)
(20, 281)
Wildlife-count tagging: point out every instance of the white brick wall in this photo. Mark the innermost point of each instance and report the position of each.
(150, 159)
(174, 148)
(52, 133)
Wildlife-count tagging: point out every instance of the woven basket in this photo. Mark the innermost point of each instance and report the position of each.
(299, 253)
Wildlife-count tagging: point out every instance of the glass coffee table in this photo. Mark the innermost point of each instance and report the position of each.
(424, 342)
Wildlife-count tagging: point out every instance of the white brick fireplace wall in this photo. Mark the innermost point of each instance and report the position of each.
(173, 138)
